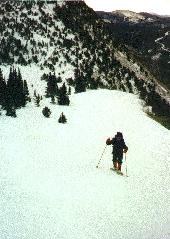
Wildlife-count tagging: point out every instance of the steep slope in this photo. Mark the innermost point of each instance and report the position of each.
(53, 36)
(73, 43)
(148, 35)
(50, 187)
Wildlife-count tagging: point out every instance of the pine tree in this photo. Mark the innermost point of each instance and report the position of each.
(10, 94)
(17, 90)
(88, 77)
(63, 98)
(46, 112)
(3, 90)
(37, 100)
(20, 97)
(26, 91)
(62, 119)
(93, 84)
(52, 99)
(69, 90)
(59, 80)
(52, 87)
(35, 93)
(80, 85)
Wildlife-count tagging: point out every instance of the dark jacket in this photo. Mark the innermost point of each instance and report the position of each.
(118, 145)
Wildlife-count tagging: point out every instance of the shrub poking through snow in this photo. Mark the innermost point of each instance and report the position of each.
(62, 118)
(46, 112)
(37, 100)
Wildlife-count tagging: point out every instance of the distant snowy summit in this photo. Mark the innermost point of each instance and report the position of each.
(132, 17)
(129, 15)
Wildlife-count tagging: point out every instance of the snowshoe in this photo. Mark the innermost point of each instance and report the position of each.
(119, 172)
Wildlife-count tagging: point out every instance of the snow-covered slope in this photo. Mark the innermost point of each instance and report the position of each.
(129, 15)
(71, 41)
(54, 35)
(50, 187)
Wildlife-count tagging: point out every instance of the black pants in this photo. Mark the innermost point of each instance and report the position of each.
(117, 157)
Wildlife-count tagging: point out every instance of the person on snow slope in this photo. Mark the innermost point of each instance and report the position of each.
(119, 147)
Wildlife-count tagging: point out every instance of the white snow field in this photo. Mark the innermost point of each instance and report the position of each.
(50, 187)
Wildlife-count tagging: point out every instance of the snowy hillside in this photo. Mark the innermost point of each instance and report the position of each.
(73, 42)
(129, 15)
(51, 188)
(52, 36)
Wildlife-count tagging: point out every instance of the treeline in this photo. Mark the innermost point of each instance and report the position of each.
(14, 92)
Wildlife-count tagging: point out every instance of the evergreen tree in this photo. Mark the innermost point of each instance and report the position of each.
(35, 93)
(17, 89)
(52, 99)
(20, 97)
(93, 84)
(44, 77)
(63, 98)
(69, 90)
(3, 90)
(10, 95)
(70, 81)
(37, 100)
(59, 80)
(129, 85)
(26, 91)
(52, 87)
(80, 85)
(46, 112)
(62, 119)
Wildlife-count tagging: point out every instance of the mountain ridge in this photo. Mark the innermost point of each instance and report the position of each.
(149, 39)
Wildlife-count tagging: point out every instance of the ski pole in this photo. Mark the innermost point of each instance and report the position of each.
(101, 157)
(126, 166)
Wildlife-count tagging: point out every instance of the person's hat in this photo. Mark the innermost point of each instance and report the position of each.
(119, 134)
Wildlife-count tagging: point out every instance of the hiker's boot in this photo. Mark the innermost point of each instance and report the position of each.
(119, 169)
(115, 167)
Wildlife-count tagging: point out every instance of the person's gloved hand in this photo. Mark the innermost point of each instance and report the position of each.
(108, 141)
